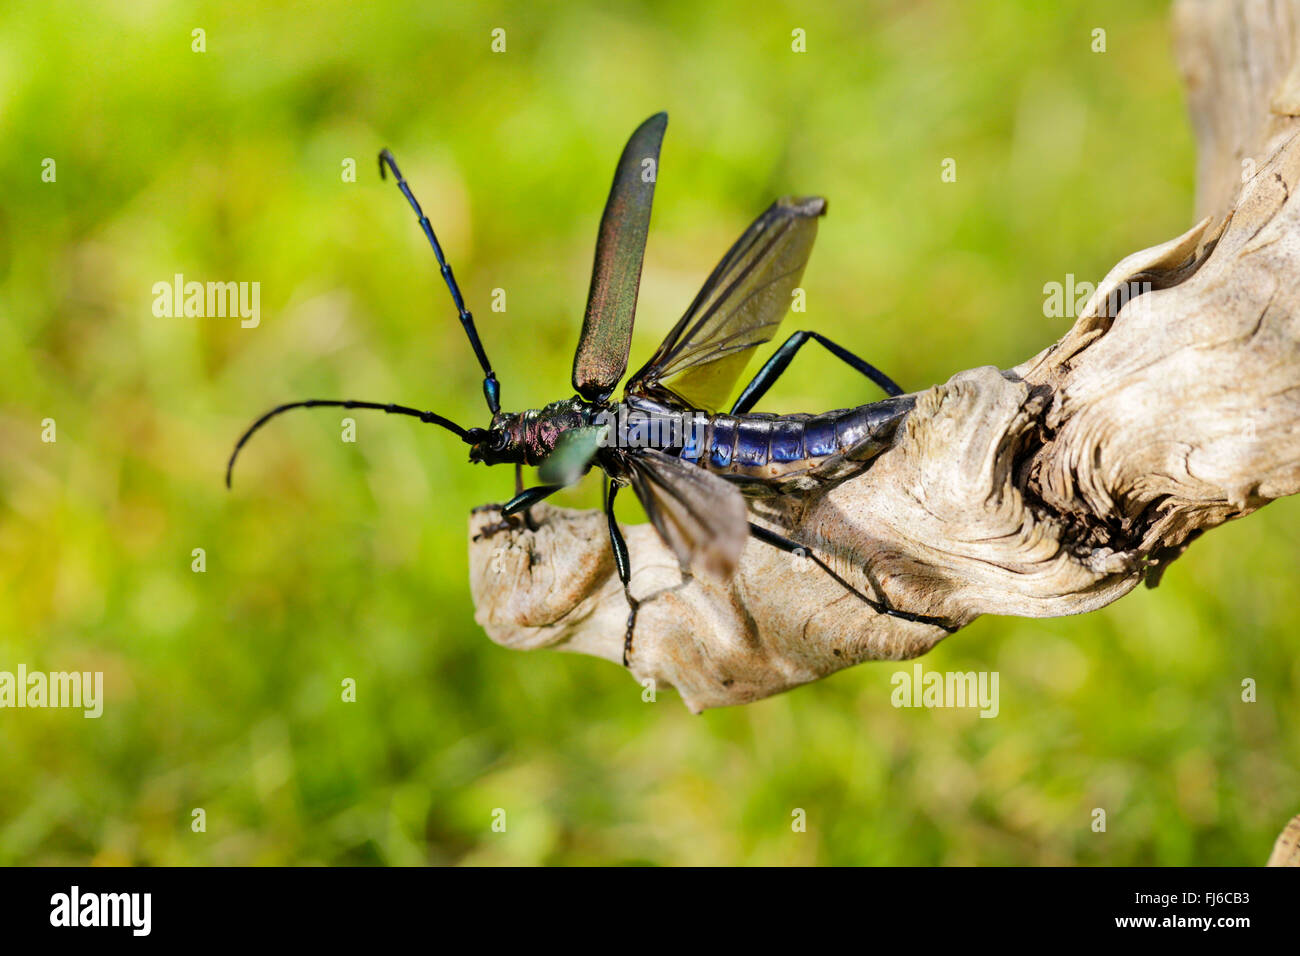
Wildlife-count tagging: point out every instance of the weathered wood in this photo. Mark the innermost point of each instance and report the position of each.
(1049, 489)
(1286, 849)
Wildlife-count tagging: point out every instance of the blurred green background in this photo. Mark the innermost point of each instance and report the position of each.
(331, 560)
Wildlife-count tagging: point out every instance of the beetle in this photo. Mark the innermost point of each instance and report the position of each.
(691, 465)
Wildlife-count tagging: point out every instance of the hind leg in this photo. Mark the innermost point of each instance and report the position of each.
(782, 357)
(880, 607)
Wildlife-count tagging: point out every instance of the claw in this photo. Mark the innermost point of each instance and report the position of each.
(496, 527)
(633, 606)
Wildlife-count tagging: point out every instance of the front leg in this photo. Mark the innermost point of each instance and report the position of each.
(521, 502)
(505, 524)
(529, 523)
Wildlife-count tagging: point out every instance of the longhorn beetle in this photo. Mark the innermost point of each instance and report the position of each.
(690, 465)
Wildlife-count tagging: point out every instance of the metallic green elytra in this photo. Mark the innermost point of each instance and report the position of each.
(606, 338)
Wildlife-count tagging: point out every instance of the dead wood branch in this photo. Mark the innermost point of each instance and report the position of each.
(1053, 488)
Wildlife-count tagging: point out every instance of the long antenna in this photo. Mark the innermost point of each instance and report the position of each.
(467, 435)
(491, 389)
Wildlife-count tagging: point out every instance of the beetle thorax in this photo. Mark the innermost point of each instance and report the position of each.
(531, 435)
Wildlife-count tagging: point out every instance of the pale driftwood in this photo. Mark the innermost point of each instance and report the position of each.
(1286, 850)
(1053, 488)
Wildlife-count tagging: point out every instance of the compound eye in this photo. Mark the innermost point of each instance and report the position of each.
(497, 440)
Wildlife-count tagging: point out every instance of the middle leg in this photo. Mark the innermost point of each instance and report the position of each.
(623, 563)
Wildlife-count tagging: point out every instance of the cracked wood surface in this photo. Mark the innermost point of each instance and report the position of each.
(1052, 488)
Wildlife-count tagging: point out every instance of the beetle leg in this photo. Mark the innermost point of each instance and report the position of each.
(880, 607)
(782, 357)
(529, 522)
(512, 508)
(622, 561)
(495, 528)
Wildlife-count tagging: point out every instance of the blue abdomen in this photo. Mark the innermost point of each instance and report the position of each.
(770, 454)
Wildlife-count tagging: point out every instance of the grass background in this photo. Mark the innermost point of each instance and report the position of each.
(334, 560)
